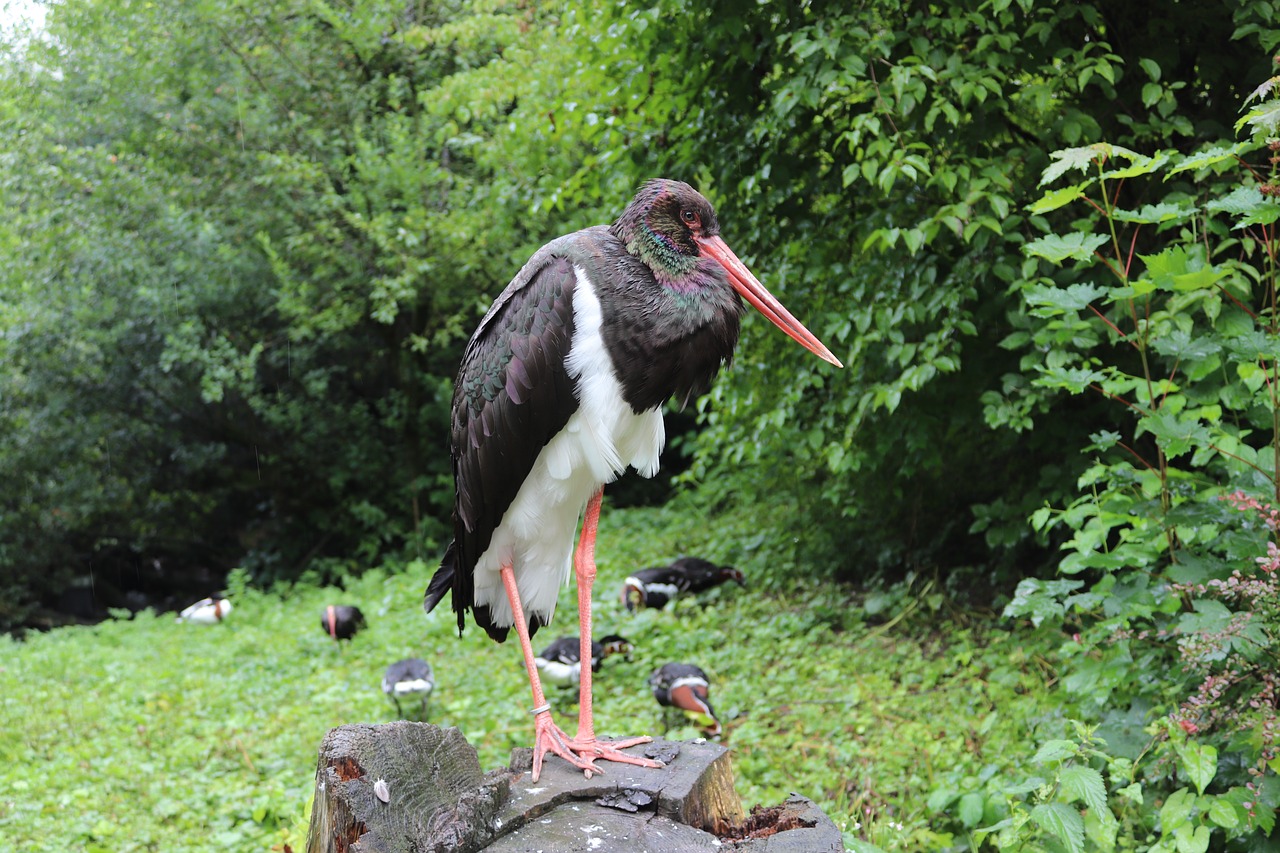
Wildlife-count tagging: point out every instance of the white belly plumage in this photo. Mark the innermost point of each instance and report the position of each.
(601, 440)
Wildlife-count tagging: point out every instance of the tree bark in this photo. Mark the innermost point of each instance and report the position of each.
(417, 787)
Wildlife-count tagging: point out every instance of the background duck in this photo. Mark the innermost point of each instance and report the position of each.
(686, 687)
(559, 662)
(206, 611)
(654, 587)
(407, 678)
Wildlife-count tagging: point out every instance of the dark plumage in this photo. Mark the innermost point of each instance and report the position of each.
(686, 687)
(341, 621)
(656, 586)
(559, 661)
(560, 392)
(409, 677)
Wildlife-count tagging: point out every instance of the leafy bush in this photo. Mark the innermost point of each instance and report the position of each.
(1165, 305)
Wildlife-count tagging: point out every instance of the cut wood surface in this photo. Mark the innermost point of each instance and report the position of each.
(418, 787)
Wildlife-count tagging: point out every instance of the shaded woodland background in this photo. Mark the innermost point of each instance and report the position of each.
(244, 244)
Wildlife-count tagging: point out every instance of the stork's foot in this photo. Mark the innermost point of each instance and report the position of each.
(611, 750)
(582, 754)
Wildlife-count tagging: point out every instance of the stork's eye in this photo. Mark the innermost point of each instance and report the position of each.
(691, 218)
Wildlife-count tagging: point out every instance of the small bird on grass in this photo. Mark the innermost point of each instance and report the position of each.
(656, 586)
(559, 661)
(407, 678)
(685, 687)
(341, 621)
(206, 611)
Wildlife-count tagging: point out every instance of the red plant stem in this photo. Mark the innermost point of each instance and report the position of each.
(1138, 456)
(1128, 264)
(1113, 326)
(1119, 399)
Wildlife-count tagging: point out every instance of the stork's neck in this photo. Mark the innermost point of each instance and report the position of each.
(672, 265)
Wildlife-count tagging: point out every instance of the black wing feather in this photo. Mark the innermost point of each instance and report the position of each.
(513, 394)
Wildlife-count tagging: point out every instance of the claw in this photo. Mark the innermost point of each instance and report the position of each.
(582, 754)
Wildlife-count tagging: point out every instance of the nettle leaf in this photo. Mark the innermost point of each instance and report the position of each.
(1070, 299)
(1063, 822)
(1054, 750)
(1263, 89)
(1085, 784)
(1058, 198)
(1154, 214)
(1056, 248)
(1239, 201)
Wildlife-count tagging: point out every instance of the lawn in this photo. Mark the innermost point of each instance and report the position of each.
(148, 734)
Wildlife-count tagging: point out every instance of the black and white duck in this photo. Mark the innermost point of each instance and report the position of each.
(686, 687)
(656, 586)
(407, 678)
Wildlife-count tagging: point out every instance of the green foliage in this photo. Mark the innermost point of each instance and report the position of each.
(156, 735)
(877, 163)
(1168, 311)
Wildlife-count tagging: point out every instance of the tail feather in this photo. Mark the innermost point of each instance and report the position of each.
(447, 578)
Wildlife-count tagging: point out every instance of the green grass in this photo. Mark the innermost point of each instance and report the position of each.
(153, 735)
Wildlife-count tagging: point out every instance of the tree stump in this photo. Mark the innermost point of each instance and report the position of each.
(417, 787)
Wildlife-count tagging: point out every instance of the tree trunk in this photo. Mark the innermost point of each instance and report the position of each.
(417, 787)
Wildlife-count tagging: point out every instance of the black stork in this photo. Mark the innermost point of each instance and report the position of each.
(656, 586)
(341, 621)
(559, 392)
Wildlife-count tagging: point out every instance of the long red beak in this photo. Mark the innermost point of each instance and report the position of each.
(755, 293)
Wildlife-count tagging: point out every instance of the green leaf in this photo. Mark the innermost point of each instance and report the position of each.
(1139, 165)
(1074, 379)
(1054, 750)
(1176, 809)
(1264, 118)
(1070, 158)
(1191, 839)
(1074, 298)
(1151, 67)
(1209, 157)
(1176, 435)
(1199, 762)
(971, 809)
(1063, 822)
(1223, 813)
(1085, 784)
(1153, 214)
(1179, 344)
(1057, 248)
(1058, 198)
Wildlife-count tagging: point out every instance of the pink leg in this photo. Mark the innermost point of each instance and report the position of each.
(584, 564)
(547, 735)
